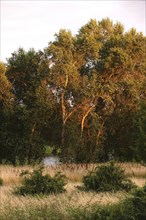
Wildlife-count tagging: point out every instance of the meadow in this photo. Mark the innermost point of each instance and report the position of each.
(72, 204)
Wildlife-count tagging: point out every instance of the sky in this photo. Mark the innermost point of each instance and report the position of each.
(33, 23)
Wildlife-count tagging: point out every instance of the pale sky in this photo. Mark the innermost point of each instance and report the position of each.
(33, 23)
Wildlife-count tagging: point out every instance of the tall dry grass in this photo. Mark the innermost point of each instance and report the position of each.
(61, 202)
(73, 172)
(11, 174)
(52, 206)
(72, 197)
(134, 170)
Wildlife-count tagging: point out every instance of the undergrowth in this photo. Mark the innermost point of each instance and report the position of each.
(131, 208)
(37, 183)
(107, 178)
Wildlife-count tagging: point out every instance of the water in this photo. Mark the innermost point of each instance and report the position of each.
(51, 161)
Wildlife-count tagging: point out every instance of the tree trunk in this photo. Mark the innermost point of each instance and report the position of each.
(83, 119)
(62, 135)
(100, 131)
(63, 119)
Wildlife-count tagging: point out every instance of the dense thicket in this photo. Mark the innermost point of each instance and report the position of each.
(83, 95)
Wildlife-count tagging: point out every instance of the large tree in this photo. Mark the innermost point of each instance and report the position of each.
(26, 71)
(98, 77)
(6, 111)
(82, 93)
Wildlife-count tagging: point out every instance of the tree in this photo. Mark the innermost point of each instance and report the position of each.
(123, 64)
(6, 109)
(6, 97)
(82, 93)
(97, 81)
(64, 77)
(140, 134)
(26, 71)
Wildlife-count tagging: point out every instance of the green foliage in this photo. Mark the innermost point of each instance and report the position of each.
(37, 183)
(21, 133)
(107, 178)
(82, 93)
(25, 72)
(1, 181)
(140, 142)
(139, 203)
(132, 207)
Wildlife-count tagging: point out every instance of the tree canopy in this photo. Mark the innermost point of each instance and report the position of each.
(83, 95)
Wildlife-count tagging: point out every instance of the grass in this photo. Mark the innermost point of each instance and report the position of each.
(52, 206)
(10, 174)
(74, 172)
(19, 207)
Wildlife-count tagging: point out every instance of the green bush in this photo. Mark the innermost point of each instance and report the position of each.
(107, 178)
(1, 181)
(139, 203)
(131, 208)
(37, 183)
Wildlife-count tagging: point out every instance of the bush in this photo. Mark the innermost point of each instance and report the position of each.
(133, 207)
(139, 203)
(1, 181)
(107, 178)
(37, 183)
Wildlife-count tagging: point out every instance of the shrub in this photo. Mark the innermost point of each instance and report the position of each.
(139, 203)
(107, 178)
(37, 183)
(133, 207)
(1, 181)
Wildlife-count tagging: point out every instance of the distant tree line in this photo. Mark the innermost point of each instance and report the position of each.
(84, 96)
